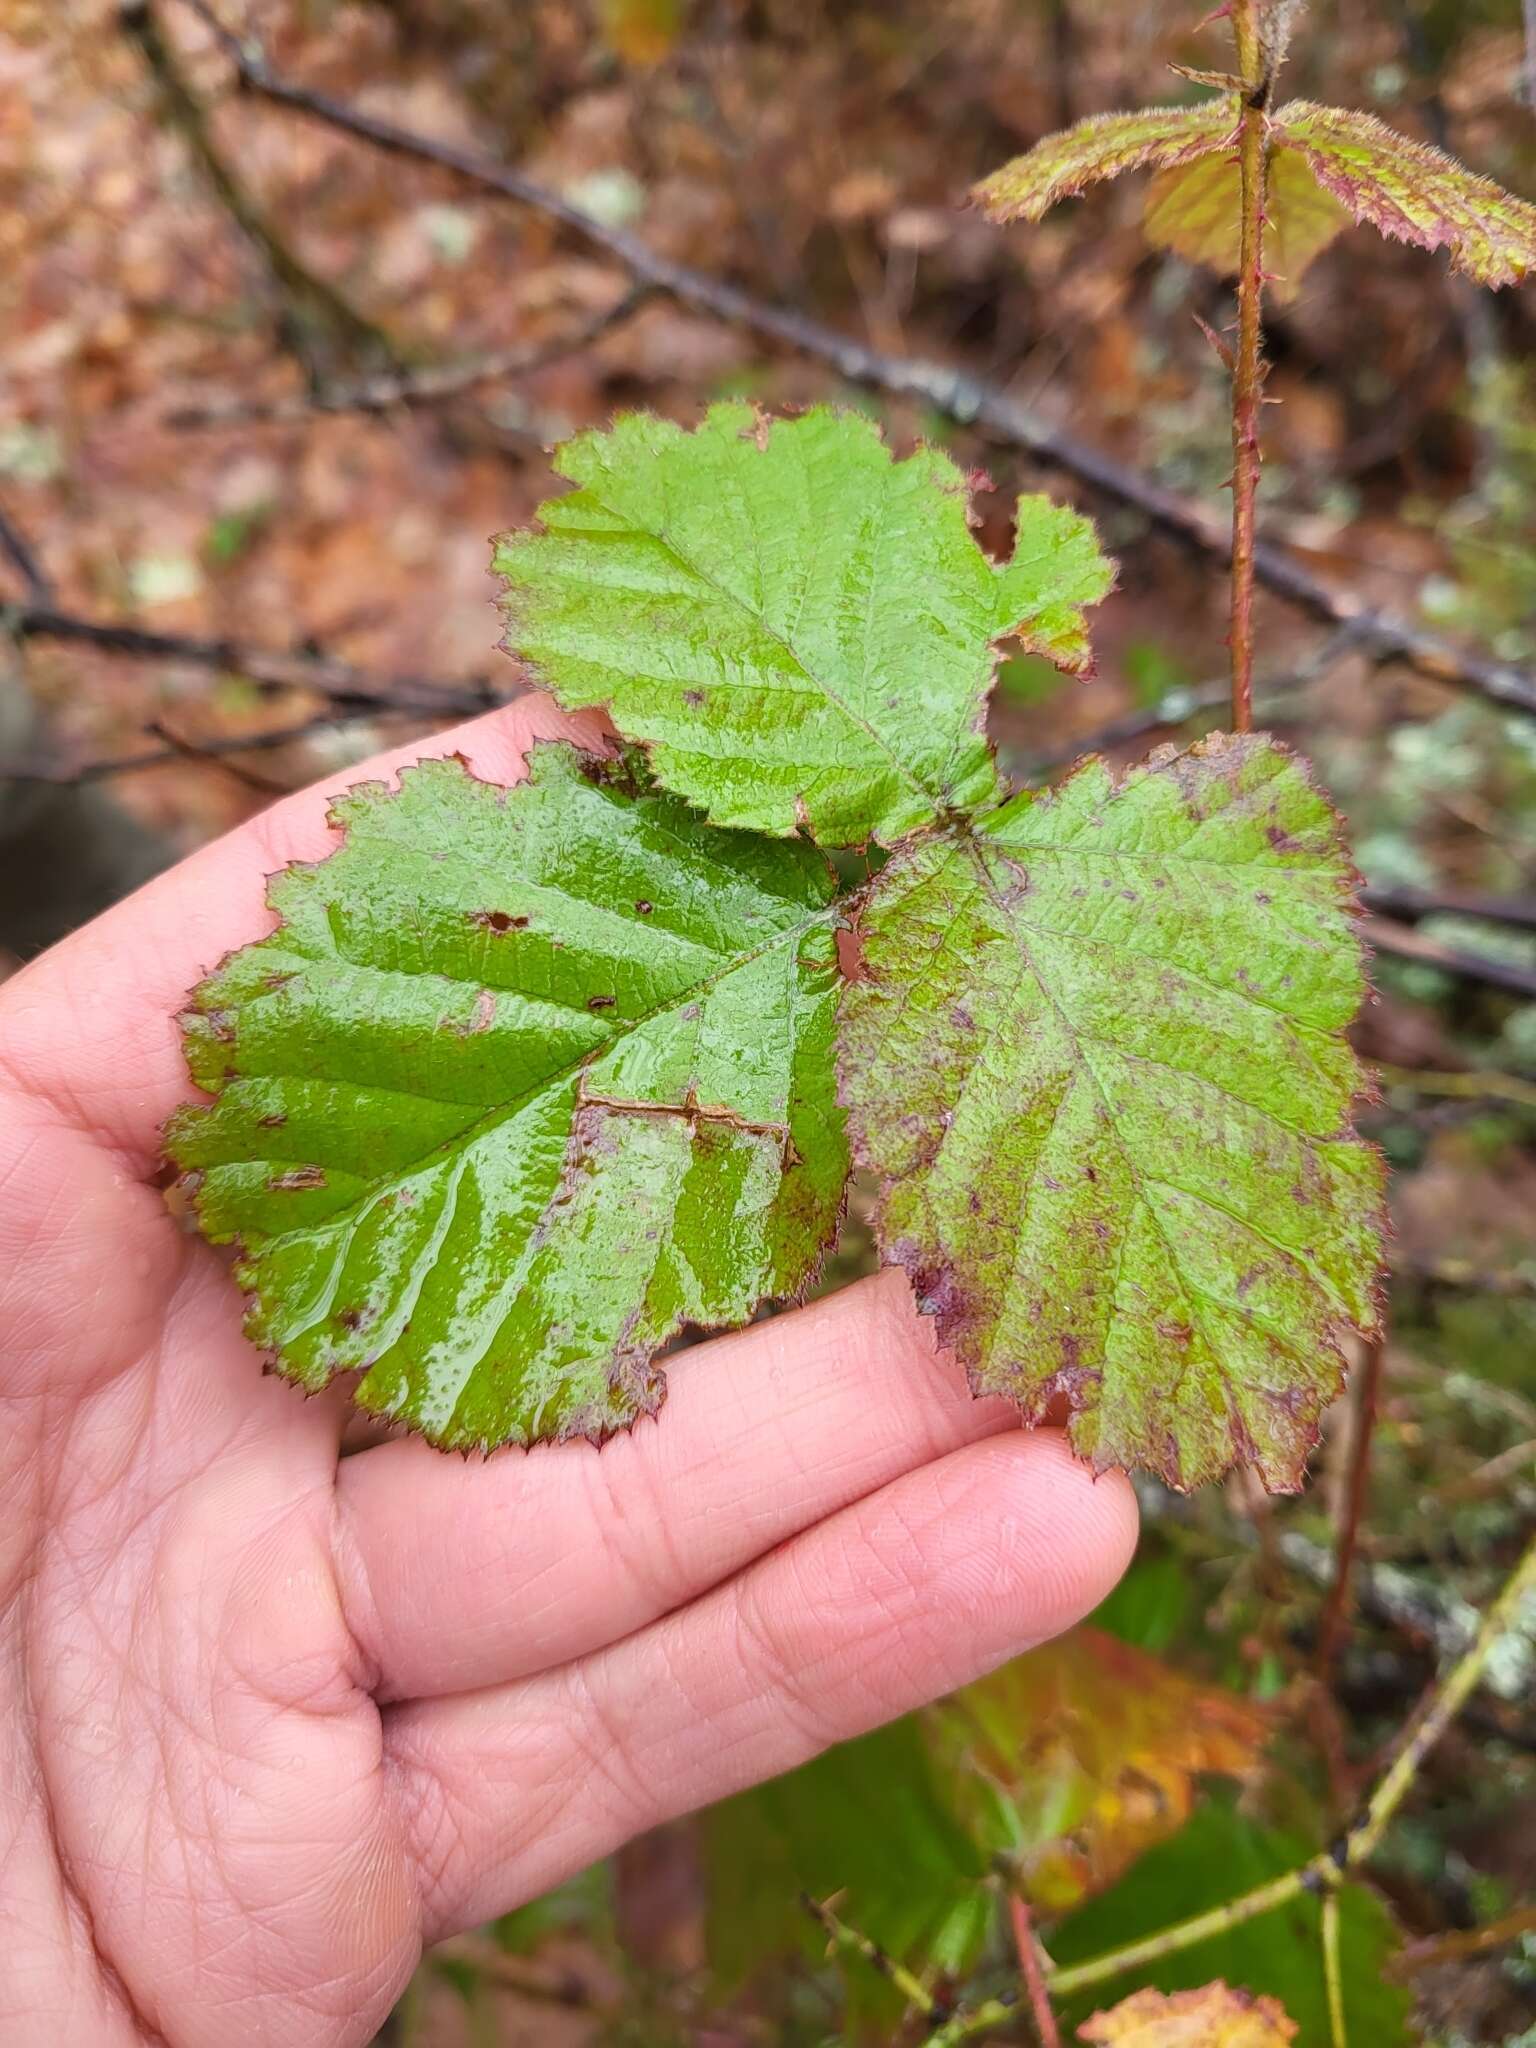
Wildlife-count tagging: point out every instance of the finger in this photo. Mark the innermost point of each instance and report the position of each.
(456, 1577)
(90, 1026)
(912, 1591)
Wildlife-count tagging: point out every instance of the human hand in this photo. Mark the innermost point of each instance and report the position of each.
(271, 1718)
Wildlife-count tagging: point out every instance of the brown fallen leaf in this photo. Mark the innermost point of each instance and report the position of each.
(1213, 2017)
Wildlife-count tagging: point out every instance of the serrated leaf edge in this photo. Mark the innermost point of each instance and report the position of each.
(939, 1293)
(615, 769)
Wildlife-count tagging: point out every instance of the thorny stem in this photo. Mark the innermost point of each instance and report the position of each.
(1029, 1968)
(1327, 1870)
(849, 1941)
(1336, 1607)
(1248, 368)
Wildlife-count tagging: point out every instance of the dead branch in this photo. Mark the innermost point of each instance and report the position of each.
(428, 385)
(342, 683)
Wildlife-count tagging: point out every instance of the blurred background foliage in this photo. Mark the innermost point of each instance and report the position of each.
(195, 291)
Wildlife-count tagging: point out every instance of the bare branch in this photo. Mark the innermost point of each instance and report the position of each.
(343, 683)
(1402, 942)
(428, 385)
(313, 310)
(63, 772)
(967, 400)
(15, 545)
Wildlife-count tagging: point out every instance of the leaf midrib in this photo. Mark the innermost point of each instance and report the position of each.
(1138, 1180)
(664, 540)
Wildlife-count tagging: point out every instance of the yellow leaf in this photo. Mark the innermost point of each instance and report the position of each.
(1075, 1759)
(642, 32)
(1214, 2017)
(1193, 210)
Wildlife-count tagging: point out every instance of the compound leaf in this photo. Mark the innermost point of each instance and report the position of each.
(1095, 1056)
(523, 1080)
(1195, 211)
(799, 629)
(1412, 192)
(1103, 147)
(1212, 2017)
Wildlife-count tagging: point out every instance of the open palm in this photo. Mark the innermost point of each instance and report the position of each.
(271, 1718)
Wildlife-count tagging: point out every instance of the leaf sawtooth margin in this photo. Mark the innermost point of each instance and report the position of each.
(1096, 1059)
(1105, 146)
(524, 1080)
(800, 630)
(1412, 192)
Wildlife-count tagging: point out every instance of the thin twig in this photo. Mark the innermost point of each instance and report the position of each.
(14, 543)
(1409, 905)
(1336, 1607)
(428, 385)
(342, 682)
(1333, 1975)
(969, 401)
(1034, 1977)
(1480, 1085)
(1530, 53)
(313, 306)
(64, 773)
(1465, 1942)
(849, 1941)
(1403, 943)
(1248, 368)
(1326, 1871)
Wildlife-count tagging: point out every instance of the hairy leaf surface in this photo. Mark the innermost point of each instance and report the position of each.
(1096, 1058)
(524, 1080)
(1194, 211)
(1414, 193)
(798, 628)
(1215, 2016)
(1103, 147)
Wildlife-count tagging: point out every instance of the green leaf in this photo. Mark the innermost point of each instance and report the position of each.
(1216, 1857)
(799, 629)
(1104, 147)
(1414, 193)
(1194, 211)
(524, 1080)
(1096, 1057)
(867, 1824)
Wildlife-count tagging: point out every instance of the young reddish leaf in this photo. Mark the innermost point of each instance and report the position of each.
(798, 628)
(1098, 1063)
(1214, 2017)
(1194, 212)
(1074, 1760)
(523, 1080)
(1414, 193)
(1104, 147)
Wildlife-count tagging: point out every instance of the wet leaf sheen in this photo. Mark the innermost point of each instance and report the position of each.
(524, 1080)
